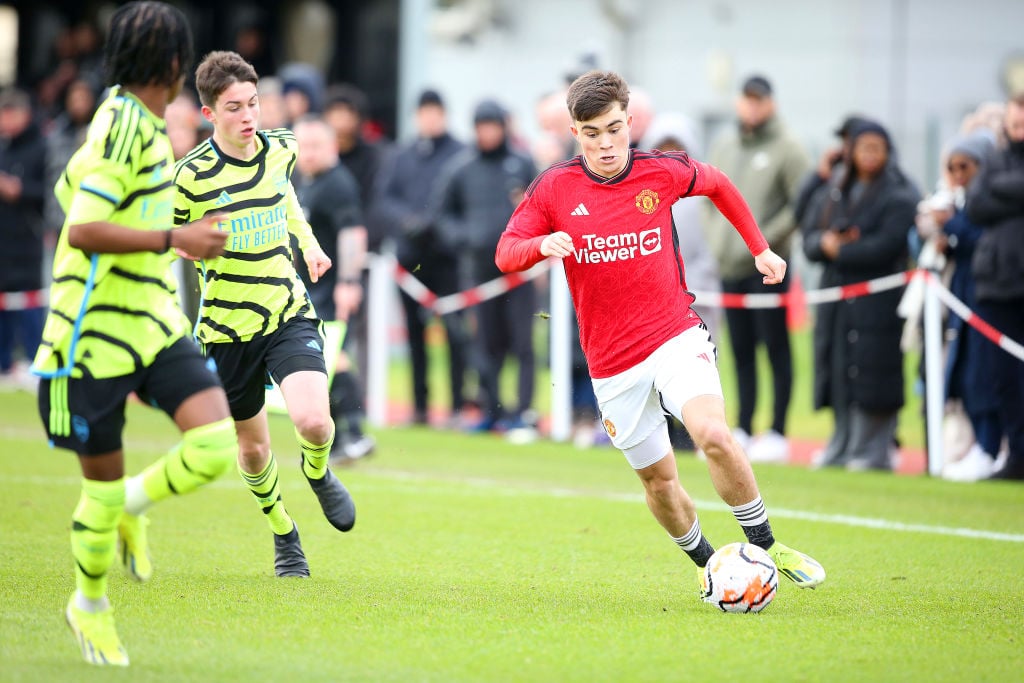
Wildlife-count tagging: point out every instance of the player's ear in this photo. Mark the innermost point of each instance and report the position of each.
(207, 113)
(575, 132)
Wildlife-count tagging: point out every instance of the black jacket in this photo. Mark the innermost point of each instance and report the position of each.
(857, 341)
(406, 187)
(21, 233)
(995, 201)
(364, 162)
(476, 199)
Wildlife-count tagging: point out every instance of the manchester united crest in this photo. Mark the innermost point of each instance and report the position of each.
(609, 427)
(647, 201)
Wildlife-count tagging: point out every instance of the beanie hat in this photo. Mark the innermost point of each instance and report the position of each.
(490, 110)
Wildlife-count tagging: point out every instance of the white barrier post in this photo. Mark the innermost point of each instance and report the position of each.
(934, 380)
(378, 313)
(561, 354)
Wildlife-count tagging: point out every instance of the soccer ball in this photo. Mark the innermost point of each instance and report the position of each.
(740, 577)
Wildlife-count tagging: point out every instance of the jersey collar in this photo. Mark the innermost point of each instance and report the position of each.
(617, 178)
(256, 159)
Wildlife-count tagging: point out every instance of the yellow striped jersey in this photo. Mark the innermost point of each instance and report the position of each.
(252, 288)
(110, 314)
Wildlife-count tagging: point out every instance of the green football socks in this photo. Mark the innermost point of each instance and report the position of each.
(203, 454)
(267, 489)
(94, 534)
(314, 457)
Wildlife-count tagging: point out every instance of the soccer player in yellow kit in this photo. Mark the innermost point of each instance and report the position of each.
(115, 326)
(255, 318)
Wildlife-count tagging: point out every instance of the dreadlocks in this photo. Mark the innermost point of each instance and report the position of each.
(149, 43)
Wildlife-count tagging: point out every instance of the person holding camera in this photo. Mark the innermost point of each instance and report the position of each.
(857, 230)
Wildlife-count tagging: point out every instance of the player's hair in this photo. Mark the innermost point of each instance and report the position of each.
(219, 71)
(148, 43)
(594, 93)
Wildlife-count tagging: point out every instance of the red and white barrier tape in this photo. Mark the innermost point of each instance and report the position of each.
(488, 290)
(817, 296)
(960, 309)
(20, 301)
(454, 302)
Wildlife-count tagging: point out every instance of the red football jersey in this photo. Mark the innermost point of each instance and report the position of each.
(626, 276)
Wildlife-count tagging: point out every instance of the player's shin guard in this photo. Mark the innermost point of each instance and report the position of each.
(314, 457)
(204, 454)
(695, 544)
(94, 534)
(264, 485)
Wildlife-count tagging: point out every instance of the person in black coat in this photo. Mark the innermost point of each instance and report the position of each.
(406, 186)
(22, 188)
(858, 231)
(996, 202)
(474, 202)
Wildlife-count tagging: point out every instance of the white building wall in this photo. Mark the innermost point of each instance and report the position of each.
(916, 65)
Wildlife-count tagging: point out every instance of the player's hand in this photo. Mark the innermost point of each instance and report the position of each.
(317, 262)
(771, 265)
(200, 239)
(558, 244)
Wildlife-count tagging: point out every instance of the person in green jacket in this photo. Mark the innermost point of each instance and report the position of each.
(767, 164)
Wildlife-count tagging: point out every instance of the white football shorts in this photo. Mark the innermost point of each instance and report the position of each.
(634, 403)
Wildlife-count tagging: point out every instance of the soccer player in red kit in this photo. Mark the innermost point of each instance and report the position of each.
(607, 215)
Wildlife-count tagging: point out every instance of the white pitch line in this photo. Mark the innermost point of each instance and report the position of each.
(494, 486)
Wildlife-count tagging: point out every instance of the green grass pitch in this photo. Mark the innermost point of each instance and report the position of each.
(476, 560)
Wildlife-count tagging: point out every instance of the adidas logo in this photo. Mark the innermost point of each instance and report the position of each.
(313, 344)
(580, 211)
(223, 199)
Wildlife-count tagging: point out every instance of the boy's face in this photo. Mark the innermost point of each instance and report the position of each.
(605, 141)
(235, 115)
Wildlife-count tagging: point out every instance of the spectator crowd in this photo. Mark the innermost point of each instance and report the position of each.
(440, 204)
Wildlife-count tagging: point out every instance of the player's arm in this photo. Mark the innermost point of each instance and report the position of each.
(201, 238)
(316, 260)
(707, 180)
(90, 229)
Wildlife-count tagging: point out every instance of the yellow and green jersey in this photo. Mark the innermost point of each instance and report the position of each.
(110, 314)
(252, 288)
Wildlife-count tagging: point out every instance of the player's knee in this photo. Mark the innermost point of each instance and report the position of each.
(315, 428)
(212, 448)
(712, 436)
(99, 513)
(661, 487)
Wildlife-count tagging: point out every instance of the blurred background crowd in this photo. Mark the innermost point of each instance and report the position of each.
(866, 138)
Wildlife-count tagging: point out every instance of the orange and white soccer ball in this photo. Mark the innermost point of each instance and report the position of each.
(740, 577)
